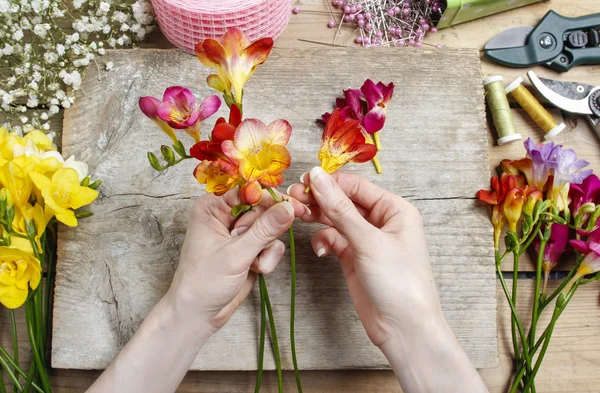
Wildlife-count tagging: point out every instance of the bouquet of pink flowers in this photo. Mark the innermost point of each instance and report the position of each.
(548, 202)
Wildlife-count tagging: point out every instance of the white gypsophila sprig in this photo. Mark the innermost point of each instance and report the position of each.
(45, 46)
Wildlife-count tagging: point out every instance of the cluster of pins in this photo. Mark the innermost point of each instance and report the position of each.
(386, 23)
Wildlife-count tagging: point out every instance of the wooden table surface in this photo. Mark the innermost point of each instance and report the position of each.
(573, 359)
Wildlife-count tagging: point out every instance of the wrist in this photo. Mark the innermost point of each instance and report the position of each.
(186, 322)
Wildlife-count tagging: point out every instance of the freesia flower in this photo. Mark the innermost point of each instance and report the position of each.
(149, 106)
(587, 191)
(19, 271)
(63, 192)
(513, 207)
(567, 171)
(555, 247)
(251, 193)
(181, 110)
(224, 130)
(524, 167)
(260, 151)
(378, 97)
(591, 259)
(14, 176)
(543, 158)
(219, 176)
(234, 59)
(343, 142)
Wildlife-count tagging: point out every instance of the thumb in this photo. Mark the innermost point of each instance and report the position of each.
(266, 229)
(336, 205)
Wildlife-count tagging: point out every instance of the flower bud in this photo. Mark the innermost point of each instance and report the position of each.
(85, 182)
(168, 154)
(251, 193)
(154, 161)
(513, 208)
(532, 200)
(498, 222)
(586, 208)
(179, 148)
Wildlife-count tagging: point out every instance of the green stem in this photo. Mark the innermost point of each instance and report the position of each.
(11, 375)
(18, 369)
(536, 300)
(263, 330)
(293, 297)
(30, 315)
(2, 386)
(261, 279)
(13, 324)
(517, 320)
(513, 324)
(560, 288)
(29, 382)
(533, 234)
(557, 311)
(518, 379)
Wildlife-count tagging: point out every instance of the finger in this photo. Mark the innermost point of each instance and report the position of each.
(339, 208)
(248, 218)
(330, 240)
(317, 215)
(268, 227)
(268, 201)
(269, 258)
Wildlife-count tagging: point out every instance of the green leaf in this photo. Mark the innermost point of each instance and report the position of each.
(238, 210)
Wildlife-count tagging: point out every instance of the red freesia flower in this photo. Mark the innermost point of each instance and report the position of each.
(343, 142)
(223, 131)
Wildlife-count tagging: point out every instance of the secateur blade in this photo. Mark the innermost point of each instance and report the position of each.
(569, 96)
(510, 47)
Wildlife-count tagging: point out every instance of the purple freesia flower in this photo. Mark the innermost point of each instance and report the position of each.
(543, 159)
(567, 171)
(587, 191)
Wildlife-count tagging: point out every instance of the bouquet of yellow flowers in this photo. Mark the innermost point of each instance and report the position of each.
(38, 188)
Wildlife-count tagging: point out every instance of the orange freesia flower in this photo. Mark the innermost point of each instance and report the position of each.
(514, 203)
(260, 151)
(219, 176)
(251, 193)
(343, 142)
(234, 59)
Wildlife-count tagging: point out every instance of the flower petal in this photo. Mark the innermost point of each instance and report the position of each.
(250, 135)
(258, 51)
(222, 132)
(235, 115)
(181, 97)
(374, 120)
(371, 93)
(209, 107)
(280, 132)
(207, 150)
(364, 153)
(580, 245)
(234, 41)
(149, 106)
(211, 53)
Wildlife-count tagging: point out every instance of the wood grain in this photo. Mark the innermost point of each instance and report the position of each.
(114, 268)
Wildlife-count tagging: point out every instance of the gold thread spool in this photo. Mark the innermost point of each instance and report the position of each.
(498, 104)
(536, 111)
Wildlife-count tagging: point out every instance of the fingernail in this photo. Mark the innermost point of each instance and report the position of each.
(238, 231)
(321, 251)
(283, 211)
(320, 179)
(290, 188)
(302, 176)
(307, 210)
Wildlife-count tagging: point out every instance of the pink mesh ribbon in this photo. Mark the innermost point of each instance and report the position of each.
(186, 22)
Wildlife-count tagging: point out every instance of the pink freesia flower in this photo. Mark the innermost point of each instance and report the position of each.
(149, 106)
(181, 110)
(591, 260)
(588, 191)
(555, 247)
(378, 97)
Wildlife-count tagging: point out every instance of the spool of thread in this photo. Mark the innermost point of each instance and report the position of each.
(186, 22)
(536, 111)
(498, 104)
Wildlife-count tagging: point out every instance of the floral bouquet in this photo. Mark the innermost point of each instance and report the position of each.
(38, 188)
(549, 204)
(247, 154)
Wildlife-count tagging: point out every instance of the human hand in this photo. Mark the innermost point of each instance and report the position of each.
(380, 241)
(218, 264)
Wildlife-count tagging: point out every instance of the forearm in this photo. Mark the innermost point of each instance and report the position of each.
(432, 361)
(157, 357)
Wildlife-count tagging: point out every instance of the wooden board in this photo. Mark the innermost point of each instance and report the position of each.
(114, 267)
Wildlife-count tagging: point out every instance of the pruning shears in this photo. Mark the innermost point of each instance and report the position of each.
(557, 42)
(571, 97)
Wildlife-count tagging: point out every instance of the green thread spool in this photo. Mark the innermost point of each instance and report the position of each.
(498, 103)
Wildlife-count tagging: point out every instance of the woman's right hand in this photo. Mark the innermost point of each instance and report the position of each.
(380, 241)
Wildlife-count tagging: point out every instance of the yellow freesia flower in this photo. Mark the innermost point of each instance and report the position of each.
(63, 192)
(30, 213)
(14, 176)
(18, 271)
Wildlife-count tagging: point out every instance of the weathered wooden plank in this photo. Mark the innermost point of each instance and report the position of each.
(114, 267)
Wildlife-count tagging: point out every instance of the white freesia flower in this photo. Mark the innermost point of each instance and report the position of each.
(80, 166)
